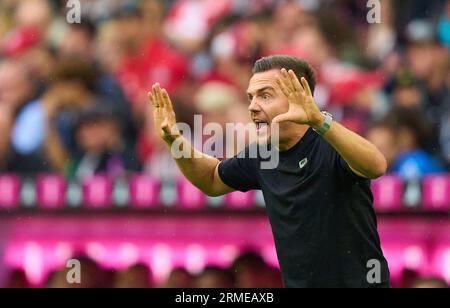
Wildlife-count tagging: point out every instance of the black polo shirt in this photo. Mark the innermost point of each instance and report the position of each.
(321, 214)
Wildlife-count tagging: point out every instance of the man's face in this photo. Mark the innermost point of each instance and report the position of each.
(421, 58)
(384, 139)
(14, 86)
(266, 102)
(98, 137)
(76, 43)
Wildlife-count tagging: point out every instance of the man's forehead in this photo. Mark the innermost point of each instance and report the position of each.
(263, 80)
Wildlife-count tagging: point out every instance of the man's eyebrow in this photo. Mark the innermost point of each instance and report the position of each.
(263, 90)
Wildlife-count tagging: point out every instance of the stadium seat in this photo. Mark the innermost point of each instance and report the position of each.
(388, 193)
(239, 200)
(97, 192)
(51, 191)
(144, 192)
(189, 197)
(436, 193)
(9, 192)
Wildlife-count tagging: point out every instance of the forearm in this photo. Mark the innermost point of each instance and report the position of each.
(4, 150)
(55, 151)
(197, 167)
(200, 169)
(5, 141)
(361, 155)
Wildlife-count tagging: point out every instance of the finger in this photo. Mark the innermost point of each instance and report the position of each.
(295, 82)
(165, 127)
(157, 110)
(170, 113)
(283, 79)
(306, 87)
(156, 102)
(282, 85)
(282, 118)
(167, 102)
(159, 94)
(150, 98)
(287, 80)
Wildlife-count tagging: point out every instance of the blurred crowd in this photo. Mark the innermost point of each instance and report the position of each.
(248, 270)
(73, 97)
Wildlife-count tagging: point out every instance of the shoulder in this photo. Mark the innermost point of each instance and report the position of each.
(251, 151)
(30, 119)
(29, 128)
(31, 109)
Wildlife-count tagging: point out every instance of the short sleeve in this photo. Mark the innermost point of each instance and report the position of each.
(340, 166)
(346, 170)
(29, 131)
(240, 173)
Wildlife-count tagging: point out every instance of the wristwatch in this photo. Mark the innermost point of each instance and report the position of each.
(322, 130)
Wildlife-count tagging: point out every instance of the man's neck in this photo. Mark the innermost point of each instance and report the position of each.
(296, 133)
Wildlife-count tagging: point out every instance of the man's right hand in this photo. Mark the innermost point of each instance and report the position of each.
(200, 169)
(163, 114)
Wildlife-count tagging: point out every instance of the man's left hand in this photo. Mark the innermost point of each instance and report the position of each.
(302, 106)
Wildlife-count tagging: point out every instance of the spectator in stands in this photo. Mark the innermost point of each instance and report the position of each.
(147, 56)
(179, 278)
(251, 271)
(430, 283)
(429, 63)
(384, 136)
(43, 123)
(31, 21)
(407, 92)
(92, 276)
(135, 277)
(16, 89)
(17, 279)
(215, 278)
(408, 278)
(79, 43)
(100, 144)
(413, 161)
(401, 137)
(190, 21)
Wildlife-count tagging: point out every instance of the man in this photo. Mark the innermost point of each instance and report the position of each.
(16, 89)
(318, 198)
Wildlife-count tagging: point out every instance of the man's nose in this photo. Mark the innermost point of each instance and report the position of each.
(254, 106)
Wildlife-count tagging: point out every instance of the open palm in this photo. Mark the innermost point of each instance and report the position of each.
(302, 106)
(163, 114)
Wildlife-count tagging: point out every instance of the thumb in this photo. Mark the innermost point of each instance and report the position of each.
(281, 118)
(165, 127)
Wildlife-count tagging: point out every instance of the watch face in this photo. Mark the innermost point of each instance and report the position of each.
(327, 114)
(326, 125)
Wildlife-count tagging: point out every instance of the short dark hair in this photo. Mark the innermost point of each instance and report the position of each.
(301, 68)
(87, 27)
(412, 120)
(75, 70)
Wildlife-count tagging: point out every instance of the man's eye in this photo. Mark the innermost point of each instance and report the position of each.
(265, 96)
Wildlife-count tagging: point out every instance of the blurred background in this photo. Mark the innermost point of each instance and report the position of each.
(83, 174)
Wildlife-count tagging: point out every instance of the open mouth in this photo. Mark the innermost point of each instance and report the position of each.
(261, 125)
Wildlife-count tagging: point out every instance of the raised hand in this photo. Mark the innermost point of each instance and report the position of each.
(302, 107)
(163, 114)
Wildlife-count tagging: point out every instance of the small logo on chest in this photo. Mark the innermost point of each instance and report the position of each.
(303, 163)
